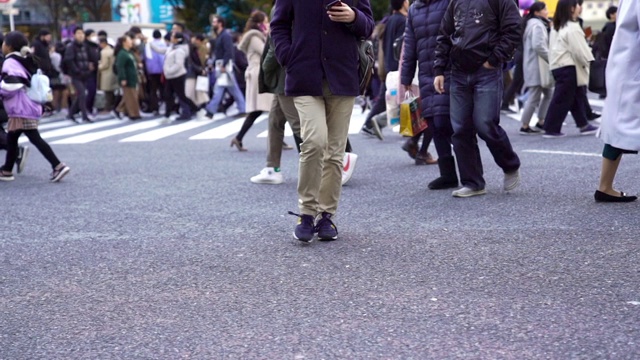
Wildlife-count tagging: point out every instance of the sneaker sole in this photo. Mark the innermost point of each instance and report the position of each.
(476, 193)
(23, 161)
(62, 174)
(530, 134)
(267, 182)
(4, 178)
(587, 133)
(553, 136)
(328, 238)
(303, 240)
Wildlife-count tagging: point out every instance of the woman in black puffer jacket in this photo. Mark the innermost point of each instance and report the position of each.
(423, 25)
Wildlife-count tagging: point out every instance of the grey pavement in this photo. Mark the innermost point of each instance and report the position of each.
(165, 250)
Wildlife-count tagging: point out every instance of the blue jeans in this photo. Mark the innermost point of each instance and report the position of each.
(475, 109)
(234, 90)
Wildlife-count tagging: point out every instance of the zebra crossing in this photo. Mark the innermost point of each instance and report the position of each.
(67, 132)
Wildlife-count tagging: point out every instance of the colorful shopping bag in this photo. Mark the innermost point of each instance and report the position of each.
(411, 120)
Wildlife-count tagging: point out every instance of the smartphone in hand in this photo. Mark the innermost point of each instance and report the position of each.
(332, 4)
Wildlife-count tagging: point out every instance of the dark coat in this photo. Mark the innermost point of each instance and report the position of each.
(76, 59)
(127, 68)
(313, 47)
(423, 25)
(272, 75)
(475, 31)
(393, 29)
(93, 51)
(41, 52)
(224, 48)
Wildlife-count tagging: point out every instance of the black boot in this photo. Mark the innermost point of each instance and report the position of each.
(448, 177)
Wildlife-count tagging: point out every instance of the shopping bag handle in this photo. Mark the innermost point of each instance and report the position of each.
(408, 95)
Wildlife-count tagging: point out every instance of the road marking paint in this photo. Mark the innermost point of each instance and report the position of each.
(574, 153)
(76, 129)
(224, 131)
(170, 130)
(86, 138)
(55, 125)
(287, 131)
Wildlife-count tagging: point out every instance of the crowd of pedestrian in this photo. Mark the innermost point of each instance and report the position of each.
(472, 59)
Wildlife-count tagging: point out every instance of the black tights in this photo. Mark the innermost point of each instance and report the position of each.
(427, 136)
(35, 138)
(248, 123)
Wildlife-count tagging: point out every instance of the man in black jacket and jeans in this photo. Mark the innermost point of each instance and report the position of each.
(77, 64)
(477, 37)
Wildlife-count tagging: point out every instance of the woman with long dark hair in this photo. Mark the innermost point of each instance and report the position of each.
(252, 44)
(537, 75)
(570, 58)
(17, 71)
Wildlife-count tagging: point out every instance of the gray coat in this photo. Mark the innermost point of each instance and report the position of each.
(536, 52)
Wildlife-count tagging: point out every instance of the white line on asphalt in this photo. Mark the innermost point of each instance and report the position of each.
(574, 153)
(287, 131)
(167, 131)
(55, 125)
(78, 129)
(86, 138)
(224, 131)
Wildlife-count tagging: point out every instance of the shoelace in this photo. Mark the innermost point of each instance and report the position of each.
(315, 228)
(322, 220)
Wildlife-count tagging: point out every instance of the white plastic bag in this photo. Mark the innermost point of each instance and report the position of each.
(393, 108)
(202, 83)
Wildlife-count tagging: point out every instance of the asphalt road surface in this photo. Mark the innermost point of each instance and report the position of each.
(159, 247)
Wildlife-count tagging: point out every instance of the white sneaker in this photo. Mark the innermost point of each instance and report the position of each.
(348, 165)
(465, 192)
(268, 175)
(511, 180)
(165, 121)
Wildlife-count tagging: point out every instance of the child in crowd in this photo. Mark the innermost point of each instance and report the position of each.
(23, 112)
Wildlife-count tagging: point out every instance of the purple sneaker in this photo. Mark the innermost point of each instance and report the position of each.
(588, 130)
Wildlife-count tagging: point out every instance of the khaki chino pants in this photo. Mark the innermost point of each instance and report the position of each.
(324, 122)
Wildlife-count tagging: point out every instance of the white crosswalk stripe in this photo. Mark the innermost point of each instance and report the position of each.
(73, 129)
(220, 127)
(224, 131)
(167, 131)
(86, 138)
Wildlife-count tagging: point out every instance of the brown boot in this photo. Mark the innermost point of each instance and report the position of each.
(422, 159)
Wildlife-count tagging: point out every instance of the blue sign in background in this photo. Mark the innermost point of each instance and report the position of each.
(160, 11)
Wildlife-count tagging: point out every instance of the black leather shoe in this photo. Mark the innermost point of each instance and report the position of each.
(594, 115)
(599, 196)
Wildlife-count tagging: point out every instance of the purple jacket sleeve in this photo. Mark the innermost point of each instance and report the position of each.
(410, 57)
(281, 30)
(363, 25)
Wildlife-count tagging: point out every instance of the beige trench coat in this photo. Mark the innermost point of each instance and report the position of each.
(252, 45)
(108, 80)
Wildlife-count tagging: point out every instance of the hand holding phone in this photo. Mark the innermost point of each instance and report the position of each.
(332, 4)
(339, 12)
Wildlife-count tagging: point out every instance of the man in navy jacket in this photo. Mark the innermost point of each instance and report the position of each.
(318, 47)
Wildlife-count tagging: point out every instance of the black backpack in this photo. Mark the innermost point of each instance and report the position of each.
(367, 61)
